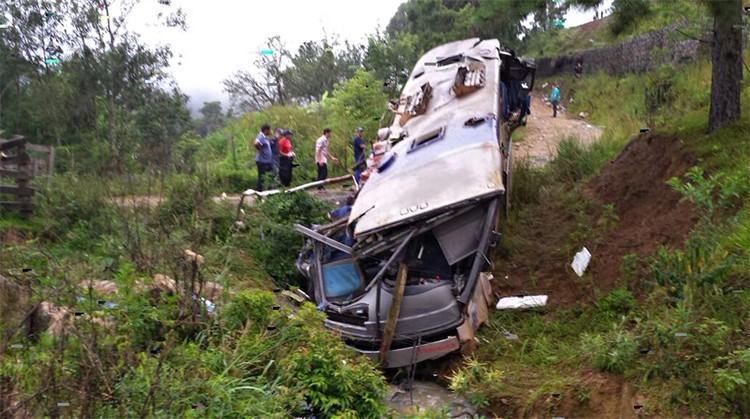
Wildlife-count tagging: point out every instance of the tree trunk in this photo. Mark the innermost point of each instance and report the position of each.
(726, 62)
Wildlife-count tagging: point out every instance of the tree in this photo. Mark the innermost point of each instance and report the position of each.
(726, 62)
(263, 86)
(213, 118)
(391, 58)
(318, 66)
(79, 76)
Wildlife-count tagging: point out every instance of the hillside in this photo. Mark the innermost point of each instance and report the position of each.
(614, 29)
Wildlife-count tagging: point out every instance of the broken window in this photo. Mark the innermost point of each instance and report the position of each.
(342, 279)
(469, 78)
(416, 104)
(428, 138)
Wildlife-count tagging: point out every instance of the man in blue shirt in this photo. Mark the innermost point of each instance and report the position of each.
(554, 97)
(358, 142)
(263, 154)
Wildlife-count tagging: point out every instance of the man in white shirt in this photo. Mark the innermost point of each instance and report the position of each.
(322, 154)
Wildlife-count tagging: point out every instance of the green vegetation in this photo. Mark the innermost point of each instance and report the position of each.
(158, 351)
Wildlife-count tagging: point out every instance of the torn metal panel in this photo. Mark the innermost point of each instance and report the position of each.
(323, 239)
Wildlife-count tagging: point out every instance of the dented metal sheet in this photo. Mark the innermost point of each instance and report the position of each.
(464, 163)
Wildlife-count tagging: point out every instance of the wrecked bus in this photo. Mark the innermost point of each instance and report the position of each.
(402, 278)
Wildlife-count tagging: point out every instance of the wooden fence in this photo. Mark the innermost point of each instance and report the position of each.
(21, 162)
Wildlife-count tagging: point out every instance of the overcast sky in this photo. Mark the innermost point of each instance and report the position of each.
(226, 35)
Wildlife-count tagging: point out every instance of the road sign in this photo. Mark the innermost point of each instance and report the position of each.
(266, 52)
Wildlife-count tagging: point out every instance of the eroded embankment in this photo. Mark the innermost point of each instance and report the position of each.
(626, 209)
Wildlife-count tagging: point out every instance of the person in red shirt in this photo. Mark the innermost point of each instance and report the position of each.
(286, 158)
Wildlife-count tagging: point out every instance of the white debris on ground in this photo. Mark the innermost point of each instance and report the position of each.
(514, 303)
(581, 261)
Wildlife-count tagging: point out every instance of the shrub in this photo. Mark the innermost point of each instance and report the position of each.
(613, 352)
(75, 206)
(254, 306)
(298, 207)
(323, 374)
(732, 382)
(619, 301)
(628, 12)
(574, 161)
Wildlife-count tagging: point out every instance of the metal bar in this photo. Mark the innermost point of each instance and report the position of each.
(323, 239)
(390, 260)
(379, 275)
(264, 194)
(481, 249)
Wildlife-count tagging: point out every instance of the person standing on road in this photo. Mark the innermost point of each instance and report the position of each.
(286, 158)
(322, 154)
(358, 142)
(263, 155)
(554, 98)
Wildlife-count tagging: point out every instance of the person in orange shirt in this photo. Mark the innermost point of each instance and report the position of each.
(286, 158)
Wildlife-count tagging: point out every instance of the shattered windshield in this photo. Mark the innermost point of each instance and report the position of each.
(342, 279)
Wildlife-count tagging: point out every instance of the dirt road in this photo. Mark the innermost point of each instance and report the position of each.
(538, 141)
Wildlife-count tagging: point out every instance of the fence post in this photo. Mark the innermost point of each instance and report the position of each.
(22, 182)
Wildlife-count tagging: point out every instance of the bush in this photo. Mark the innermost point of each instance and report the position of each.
(254, 306)
(619, 301)
(295, 208)
(574, 161)
(235, 180)
(732, 382)
(322, 373)
(613, 352)
(75, 206)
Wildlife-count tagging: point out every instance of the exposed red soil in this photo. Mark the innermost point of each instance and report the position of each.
(650, 214)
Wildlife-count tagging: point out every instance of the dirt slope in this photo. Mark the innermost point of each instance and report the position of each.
(649, 214)
(543, 133)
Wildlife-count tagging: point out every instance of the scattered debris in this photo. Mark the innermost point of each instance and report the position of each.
(293, 296)
(581, 261)
(100, 287)
(165, 283)
(530, 301)
(193, 257)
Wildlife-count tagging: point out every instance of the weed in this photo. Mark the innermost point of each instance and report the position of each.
(613, 352)
(617, 302)
(252, 306)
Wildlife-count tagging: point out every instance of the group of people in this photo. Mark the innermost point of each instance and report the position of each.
(274, 155)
